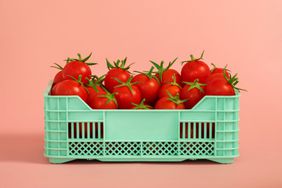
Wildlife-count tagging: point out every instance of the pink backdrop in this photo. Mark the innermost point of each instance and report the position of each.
(244, 34)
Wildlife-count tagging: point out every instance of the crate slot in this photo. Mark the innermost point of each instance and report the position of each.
(197, 130)
(213, 130)
(85, 130)
(90, 125)
(102, 129)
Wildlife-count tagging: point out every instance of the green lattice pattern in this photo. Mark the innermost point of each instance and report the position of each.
(197, 148)
(86, 148)
(160, 148)
(141, 148)
(123, 148)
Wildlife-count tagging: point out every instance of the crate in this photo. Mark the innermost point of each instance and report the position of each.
(75, 131)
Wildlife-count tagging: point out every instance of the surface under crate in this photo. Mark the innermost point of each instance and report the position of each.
(75, 131)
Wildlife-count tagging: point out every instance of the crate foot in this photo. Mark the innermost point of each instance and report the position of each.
(60, 160)
(223, 160)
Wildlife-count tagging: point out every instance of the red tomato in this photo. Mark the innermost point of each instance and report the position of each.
(104, 101)
(70, 87)
(142, 105)
(93, 92)
(195, 69)
(76, 67)
(59, 76)
(95, 88)
(193, 92)
(219, 86)
(172, 88)
(172, 102)
(222, 71)
(166, 74)
(126, 94)
(118, 71)
(216, 76)
(148, 86)
(52, 90)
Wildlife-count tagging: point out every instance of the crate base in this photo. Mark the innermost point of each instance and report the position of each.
(142, 160)
(65, 160)
(60, 160)
(217, 160)
(223, 160)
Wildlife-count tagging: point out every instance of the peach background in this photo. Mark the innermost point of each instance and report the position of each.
(246, 34)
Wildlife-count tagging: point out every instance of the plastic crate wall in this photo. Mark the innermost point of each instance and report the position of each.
(75, 131)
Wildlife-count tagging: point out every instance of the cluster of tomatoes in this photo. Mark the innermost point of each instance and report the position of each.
(160, 88)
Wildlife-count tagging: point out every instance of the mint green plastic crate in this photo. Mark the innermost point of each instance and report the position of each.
(75, 131)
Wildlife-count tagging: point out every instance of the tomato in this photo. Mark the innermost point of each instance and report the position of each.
(52, 90)
(195, 69)
(219, 86)
(218, 73)
(93, 91)
(193, 92)
(172, 102)
(216, 76)
(222, 85)
(70, 87)
(118, 71)
(148, 85)
(166, 74)
(126, 94)
(104, 101)
(173, 88)
(59, 76)
(76, 67)
(222, 71)
(95, 88)
(142, 105)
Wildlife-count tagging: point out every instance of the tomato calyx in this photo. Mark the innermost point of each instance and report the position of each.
(160, 67)
(80, 59)
(96, 81)
(174, 83)
(175, 99)
(149, 74)
(192, 58)
(118, 64)
(233, 81)
(79, 81)
(128, 83)
(141, 105)
(224, 68)
(57, 66)
(109, 96)
(196, 85)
